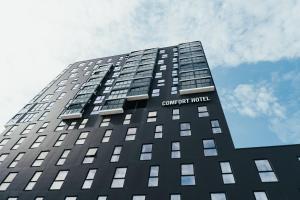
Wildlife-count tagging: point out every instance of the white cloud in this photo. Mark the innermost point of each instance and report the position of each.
(39, 38)
(254, 101)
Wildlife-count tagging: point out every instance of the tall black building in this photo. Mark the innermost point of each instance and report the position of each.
(147, 125)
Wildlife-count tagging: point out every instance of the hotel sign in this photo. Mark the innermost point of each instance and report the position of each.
(185, 101)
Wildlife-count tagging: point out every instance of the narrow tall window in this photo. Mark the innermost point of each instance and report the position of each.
(215, 126)
(227, 174)
(16, 160)
(265, 171)
(106, 136)
(44, 115)
(83, 123)
(43, 127)
(175, 197)
(260, 195)
(27, 129)
(175, 114)
(7, 181)
(116, 154)
(89, 179)
(3, 157)
(175, 151)
(146, 153)
(185, 129)
(119, 178)
(38, 141)
(18, 143)
(209, 148)
(152, 116)
(33, 181)
(158, 131)
(218, 196)
(40, 159)
(131, 133)
(153, 176)
(127, 119)
(202, 111)
(60, 140)
(105, 122)
(82, 137)
(90, 156)
(60, 126)
(3, 142)
(59, 180)
(187, 174)
(63, 157)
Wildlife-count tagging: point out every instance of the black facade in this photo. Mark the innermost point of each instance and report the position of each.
(146, 125)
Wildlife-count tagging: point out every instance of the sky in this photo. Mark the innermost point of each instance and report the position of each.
(252, 47)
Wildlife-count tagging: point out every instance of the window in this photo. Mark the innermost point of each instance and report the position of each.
(7, 181)
(116, 154)
(90, 156)
(59, 89)
(10, 131)
(16, 160)
(3, 142)
(152, 116)
(175, 197)
(60, 140)
(61, 96)
(107, 90)
(215, 126)
(83, 123)
(155, 92)
(146, 153)
(163, 67)
(47, 97)
(202, 111)
(158, 131)
(63, 157)
(185, 129)
(63, 82)
(174, 90)
(27, 129)
(89, 179)
(50, 105)
(39, 198)
(33, 181)
(43, 116)
(71, 198)
(158, 75)
(40, 159)
(227, 174)
(82, 137)
(72, 126)
(38, 141)
(96, 110)
(218, 196)
(106, 136)
(59, 180)
(28, 117)
(99, 99)
(119, 178)
(175, 150)
(209, 148)
(153, 176)
(127, 119)
(43, 127)
(260, 195)
(60, 126)
(138, 197)
(175, 81)
(160, 83)
(265, 171)
(175, 114)
(109, 82)
(102, 198)
(187, 174)
(18, 143)
(131, 133)
(3, 157)
(76, 86)
(12, 198)
(105, 122)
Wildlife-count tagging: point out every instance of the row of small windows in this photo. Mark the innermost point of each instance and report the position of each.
(258, 195)
(187, 177)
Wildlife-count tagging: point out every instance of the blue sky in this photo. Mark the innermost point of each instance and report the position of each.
(253, 48)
